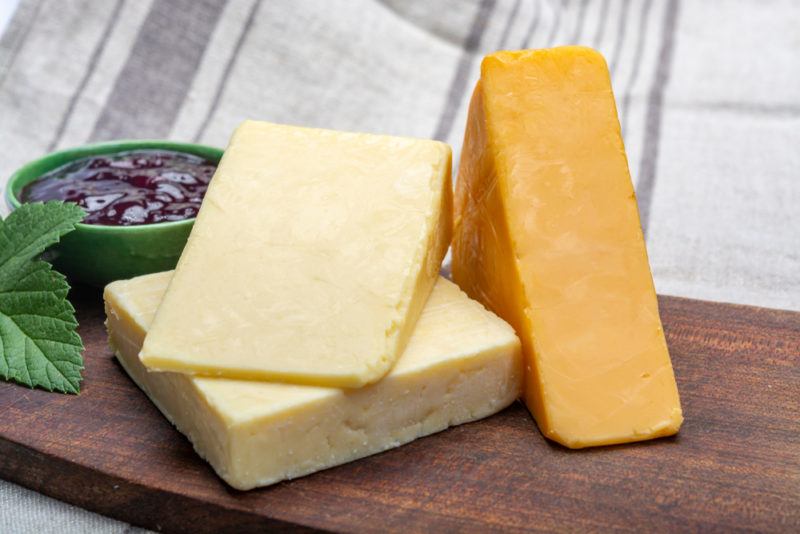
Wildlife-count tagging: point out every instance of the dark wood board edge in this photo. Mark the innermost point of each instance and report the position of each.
(126, 501)
(733, 312)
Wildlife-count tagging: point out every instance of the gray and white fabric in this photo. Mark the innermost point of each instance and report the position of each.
(708, 95)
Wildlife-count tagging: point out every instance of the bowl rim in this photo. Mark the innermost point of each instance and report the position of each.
(106, 147)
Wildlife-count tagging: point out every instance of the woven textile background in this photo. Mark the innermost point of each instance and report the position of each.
(708, 95)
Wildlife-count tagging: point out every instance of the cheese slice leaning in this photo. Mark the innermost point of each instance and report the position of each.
(547, 235)
(310, 260)
(461, 364)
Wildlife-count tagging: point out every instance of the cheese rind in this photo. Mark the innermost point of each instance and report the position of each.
(311, 258)
(547, 235)
(461, 364)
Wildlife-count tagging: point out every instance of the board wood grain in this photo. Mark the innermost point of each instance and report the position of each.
(734, 466)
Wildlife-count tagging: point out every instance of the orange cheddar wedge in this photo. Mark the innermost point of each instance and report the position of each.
(547, 235)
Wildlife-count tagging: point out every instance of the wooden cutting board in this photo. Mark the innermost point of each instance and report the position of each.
(734, 466)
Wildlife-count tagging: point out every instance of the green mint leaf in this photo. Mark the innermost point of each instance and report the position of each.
(39, 341)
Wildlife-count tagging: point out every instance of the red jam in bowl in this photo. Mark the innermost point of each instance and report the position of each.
(128, 188)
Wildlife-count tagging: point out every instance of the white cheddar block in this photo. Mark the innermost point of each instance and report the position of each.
(311, 258)
(462, 363)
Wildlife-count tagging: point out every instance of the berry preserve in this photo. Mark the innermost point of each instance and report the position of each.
(128, 188)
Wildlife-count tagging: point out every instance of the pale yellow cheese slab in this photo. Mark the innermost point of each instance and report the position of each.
(310, 260)
(461, 364)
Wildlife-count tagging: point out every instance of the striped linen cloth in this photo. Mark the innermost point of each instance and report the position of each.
(708, 95)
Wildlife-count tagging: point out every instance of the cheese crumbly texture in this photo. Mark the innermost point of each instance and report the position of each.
(547, 235)
(462, 363)
(311, 258)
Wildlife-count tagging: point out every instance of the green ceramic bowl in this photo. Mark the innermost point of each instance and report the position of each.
(95, 254)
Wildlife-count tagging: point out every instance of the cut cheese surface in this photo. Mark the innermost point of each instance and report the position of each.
(310, 260)
(462, 363)
(547, 235)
